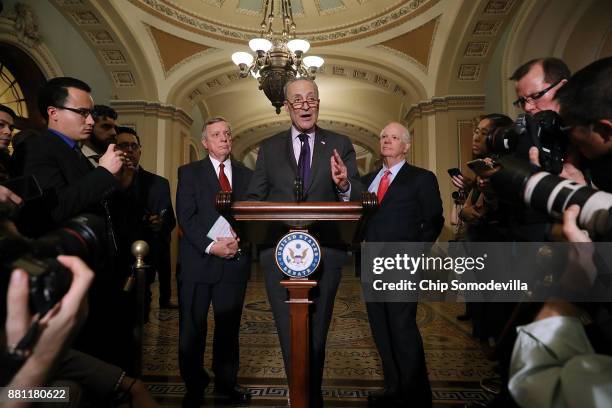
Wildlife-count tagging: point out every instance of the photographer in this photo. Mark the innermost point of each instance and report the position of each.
(56, 327)
(555, 363)
(47, 358)
(537, 83)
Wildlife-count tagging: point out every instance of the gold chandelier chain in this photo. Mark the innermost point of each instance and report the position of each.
(286, 16)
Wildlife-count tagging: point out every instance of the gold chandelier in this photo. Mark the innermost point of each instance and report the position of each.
(279, 56)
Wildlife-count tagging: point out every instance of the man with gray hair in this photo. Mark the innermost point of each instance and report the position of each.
(410, 210)
(212, 268)
(325, 162)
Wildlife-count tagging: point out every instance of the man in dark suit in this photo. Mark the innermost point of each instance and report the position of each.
(145, 213)
(212, 268)
(328, 174)
(410, 210)
(70, 184)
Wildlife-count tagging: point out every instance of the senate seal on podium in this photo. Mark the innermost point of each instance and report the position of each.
(298, 254)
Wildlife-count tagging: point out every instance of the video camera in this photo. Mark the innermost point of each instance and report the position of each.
(517, 180)
(49, 280)
(544, 130)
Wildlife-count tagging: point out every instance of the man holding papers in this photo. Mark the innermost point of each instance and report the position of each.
(212, 268)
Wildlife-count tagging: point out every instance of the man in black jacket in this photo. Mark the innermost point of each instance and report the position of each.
(410, 210)
(70, 184)
(145, 212)
(212, 268)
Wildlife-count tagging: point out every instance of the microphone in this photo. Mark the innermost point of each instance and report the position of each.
(298, 189)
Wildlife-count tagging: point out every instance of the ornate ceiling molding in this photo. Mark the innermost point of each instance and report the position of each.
(170, 12)
(94, 29)
(346, 71)
(477, 48)
(159, 110)
(37, 51)
(444, 104)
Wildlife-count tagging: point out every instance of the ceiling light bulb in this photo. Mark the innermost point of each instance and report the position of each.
(260, 44)
(313, 61)
(242, 57)
(298, 45)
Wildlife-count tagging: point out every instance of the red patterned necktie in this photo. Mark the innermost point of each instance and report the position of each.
(383, 186)
(225, 184)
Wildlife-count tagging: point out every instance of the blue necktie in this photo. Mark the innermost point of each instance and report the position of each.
(304, 162)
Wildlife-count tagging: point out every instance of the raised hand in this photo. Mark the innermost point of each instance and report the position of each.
(339, 172)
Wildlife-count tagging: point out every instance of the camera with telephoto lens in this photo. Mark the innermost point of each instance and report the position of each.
(517, 180)
(48, 279)
(546, 132)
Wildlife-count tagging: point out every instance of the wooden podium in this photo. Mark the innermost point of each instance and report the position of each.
(257, 215)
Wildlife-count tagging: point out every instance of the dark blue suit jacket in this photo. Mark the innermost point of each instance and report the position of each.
(411, 210)
(198, 186)
(276, 171)
(70, 187)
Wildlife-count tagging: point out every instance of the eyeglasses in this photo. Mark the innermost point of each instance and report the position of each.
(128, 145)
(310, 103)
(83, 112)
(523, 100)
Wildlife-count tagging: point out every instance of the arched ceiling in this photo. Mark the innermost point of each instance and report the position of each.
(382, 56)
(319, 21)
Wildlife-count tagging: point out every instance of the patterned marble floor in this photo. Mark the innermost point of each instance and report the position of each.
(352, 369)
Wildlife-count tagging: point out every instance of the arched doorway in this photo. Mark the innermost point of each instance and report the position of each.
(20, 80)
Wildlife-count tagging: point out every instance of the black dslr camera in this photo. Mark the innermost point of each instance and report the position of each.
(546, 130)
(543, 130)
(49, 280)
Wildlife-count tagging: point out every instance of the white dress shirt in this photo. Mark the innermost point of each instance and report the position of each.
(228, 173)
(394, 170)
(297, 148)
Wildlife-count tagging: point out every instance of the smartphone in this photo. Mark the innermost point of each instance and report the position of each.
(454, 172)
(26, 187)
(479, 166)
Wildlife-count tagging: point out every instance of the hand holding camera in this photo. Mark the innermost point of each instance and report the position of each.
(569, 171)
(40, 339)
